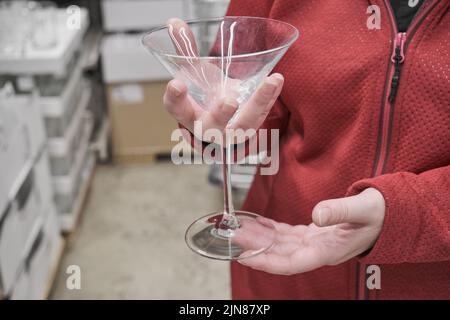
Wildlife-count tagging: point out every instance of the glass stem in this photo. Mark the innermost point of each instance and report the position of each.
(229, 220)
(227, 196)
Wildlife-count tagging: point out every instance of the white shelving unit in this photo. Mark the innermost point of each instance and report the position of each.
(133, 15)
(53, 60)
(31, 248)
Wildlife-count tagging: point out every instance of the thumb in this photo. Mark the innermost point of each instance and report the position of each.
(354, 209)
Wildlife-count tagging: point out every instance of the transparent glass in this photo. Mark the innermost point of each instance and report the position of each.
(217, 58)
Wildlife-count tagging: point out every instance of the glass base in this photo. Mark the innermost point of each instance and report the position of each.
(210, 237)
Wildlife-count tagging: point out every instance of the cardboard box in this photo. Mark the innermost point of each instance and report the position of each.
(140, 124)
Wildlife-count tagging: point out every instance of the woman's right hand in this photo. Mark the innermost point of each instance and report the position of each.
(183, 108)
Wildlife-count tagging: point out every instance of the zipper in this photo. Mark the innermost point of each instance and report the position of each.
(398, 56)
(390, 93)
(401, 41)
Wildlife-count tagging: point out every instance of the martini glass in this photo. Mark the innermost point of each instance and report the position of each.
(218, 58)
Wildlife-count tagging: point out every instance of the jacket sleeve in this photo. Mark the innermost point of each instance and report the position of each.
(255, 8)
(416, 226)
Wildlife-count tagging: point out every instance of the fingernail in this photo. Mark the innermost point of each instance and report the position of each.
(230, 103)
(175, 90)
(323, 214)
(279, 76)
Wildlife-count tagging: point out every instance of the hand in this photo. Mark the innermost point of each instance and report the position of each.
(341, 229)
(185, 110)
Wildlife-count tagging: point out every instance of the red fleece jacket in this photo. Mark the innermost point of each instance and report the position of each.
(340, 135)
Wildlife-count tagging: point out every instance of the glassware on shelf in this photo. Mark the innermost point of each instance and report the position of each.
(15, 26)
(27, 22)
(217, 58)
(66, 89)
(51, 85)
(45, 26)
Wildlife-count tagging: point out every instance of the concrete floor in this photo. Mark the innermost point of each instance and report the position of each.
(130, 242)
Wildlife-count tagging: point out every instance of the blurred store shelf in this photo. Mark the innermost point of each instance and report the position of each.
(52, 60)
(135, 15)
(46, 124)
(91, 49)
(207, 8)
(60, 103)
(135, 81)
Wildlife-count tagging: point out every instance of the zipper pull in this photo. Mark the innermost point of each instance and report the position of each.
(398, 56)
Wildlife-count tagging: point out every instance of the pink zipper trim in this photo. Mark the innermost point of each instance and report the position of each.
(400, 40)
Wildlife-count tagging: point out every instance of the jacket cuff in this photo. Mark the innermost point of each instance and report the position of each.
(398, 228)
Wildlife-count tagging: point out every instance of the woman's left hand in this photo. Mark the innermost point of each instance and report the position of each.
(341, 229)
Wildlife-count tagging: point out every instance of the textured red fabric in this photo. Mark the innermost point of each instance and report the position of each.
(331, 114)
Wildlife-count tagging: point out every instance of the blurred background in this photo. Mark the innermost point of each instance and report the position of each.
(87, 186)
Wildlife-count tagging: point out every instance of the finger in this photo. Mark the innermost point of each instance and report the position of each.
(258, 107)
(286, 237)
(260, 233)
(354, 209)
(284, 228)
(285, 248)
(253, 235)
(284, 232)
(220, 114)
(178, 104)
(279, 226)
(300, 260)
(191, 67)
(269, 262)
(182, 37)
